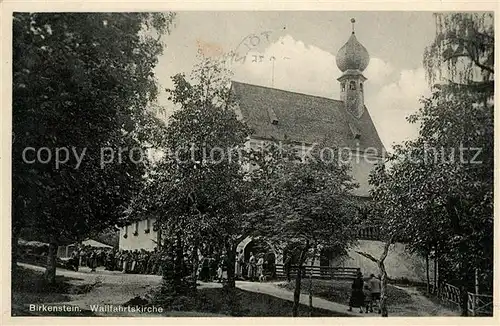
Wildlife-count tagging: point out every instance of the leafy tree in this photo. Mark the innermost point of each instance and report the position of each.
(462, 53)
(198, 191)
(307, 202)
(82, 82)
(436, 192)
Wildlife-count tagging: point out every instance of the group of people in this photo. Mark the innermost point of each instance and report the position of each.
(211, 269)
(126, 261)
(257, 267)
(365, 295)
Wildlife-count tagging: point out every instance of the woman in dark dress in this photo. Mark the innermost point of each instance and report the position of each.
(357, 295)
(93, 261)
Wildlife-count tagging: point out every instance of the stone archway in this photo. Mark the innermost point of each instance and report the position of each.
(258, 246)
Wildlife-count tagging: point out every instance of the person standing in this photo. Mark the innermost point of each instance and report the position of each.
(93, 261)
(357, 296)
(75, 257)
(239, 265)
(374, 284)
(224, 264)
(260, 266)
(251, 267)
(288, 267)
(205, 270)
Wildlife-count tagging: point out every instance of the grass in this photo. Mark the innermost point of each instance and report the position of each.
(257, 305)
(340, 291)
(215, 302)
(30, 287)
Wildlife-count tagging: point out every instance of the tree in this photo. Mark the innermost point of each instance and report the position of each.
(307, 202)
(198, 190)
(436, 191)
(81, 85)
(462, 53)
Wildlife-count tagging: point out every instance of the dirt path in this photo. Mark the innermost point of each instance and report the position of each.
(422, 306)
(115, 288)
(273, 289)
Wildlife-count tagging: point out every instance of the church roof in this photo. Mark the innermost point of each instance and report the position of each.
(276, 114)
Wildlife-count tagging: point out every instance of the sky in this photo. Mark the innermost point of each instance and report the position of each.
(303, 45)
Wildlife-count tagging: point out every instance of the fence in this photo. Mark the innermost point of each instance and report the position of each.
(320, 272)
(477, 304)
(480, 304)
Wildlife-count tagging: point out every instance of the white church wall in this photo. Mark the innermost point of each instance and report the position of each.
(142, 240)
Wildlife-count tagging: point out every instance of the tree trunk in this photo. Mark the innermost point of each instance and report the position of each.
(15, 239)
(463, 300)
(310, 285)
(158, 238)
(383, 290)
(195, 265)
(298, 281)
(178, 260)
(50, 270)
(427, 274)
(230, 286)
(383, 273)
(231, 261)
(296, 292)
(436, 285)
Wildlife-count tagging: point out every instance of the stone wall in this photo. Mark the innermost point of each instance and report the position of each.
(399, 262)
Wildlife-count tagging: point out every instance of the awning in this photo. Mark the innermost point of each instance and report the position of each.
(95, 244)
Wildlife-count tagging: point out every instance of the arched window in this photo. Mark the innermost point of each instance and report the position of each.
(342, 86)
(361, 86)
(352, 85)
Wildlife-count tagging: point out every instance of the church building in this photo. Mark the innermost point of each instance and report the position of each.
(276, 115)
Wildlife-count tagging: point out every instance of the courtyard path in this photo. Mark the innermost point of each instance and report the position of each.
(117, 288)
(425, 306)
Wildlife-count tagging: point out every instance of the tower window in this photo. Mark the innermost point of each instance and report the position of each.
(342, 86)
(352, 85)
(361, 86)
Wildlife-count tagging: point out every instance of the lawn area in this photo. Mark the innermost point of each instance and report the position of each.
(29, 287)
(211, 300)
(340, 291)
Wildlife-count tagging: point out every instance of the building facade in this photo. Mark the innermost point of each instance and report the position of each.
(139, 235)
(307, 120)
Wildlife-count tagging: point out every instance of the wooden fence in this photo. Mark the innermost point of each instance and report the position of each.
(477, 304)
(480, 304)
(319, 272)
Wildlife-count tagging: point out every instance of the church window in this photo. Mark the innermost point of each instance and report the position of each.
(148, 226)
(352, 85)
(342, 85)
(361, 86)
(126, 232)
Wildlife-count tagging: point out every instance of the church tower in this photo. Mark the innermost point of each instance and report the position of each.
(352, 59)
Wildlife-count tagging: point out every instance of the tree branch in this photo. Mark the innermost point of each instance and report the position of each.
(367, 255)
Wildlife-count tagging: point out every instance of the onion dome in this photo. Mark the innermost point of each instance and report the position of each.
(353, 55)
